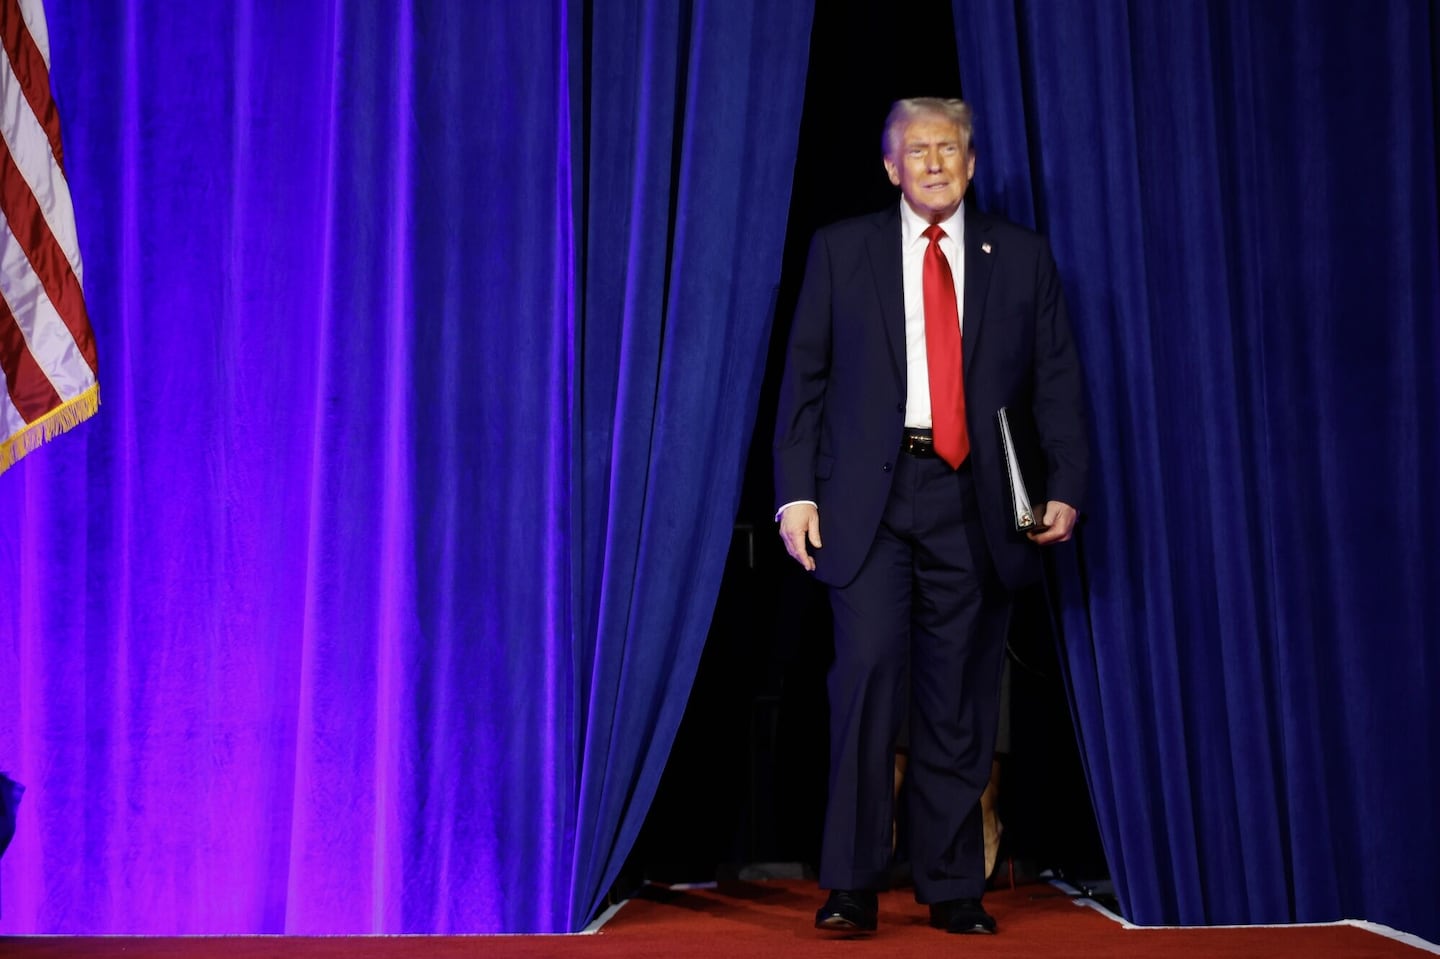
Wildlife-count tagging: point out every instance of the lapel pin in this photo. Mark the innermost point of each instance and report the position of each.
(985, 247)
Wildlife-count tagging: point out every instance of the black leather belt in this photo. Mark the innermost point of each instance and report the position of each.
(918, 443)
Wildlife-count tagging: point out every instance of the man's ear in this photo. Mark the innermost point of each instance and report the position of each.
(894, 171)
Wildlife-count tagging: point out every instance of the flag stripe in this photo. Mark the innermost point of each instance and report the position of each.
(51, 265)
(29, 387)
(11, 422)
(28, 63)
(45, 333)
(30, 147)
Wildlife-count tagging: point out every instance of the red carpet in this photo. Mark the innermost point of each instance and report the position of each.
(773, 919)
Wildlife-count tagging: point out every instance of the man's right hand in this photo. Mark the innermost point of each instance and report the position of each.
(799, 524)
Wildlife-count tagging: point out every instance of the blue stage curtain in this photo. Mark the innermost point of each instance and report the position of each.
(1242, 199)
(430, 336)
(679, 294)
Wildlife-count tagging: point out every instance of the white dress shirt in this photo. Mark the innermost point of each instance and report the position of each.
(913, 245)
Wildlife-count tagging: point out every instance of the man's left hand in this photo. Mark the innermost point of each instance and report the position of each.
(1059, 523)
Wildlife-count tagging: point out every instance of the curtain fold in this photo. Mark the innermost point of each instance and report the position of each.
(1242, 200)
(694, 121)
(371, 600)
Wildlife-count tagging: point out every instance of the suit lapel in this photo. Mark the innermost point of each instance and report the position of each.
(979, 263)
(883, 247)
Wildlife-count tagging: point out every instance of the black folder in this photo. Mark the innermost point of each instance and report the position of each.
(1026, 520)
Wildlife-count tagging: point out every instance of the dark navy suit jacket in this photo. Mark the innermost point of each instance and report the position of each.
(842, 401)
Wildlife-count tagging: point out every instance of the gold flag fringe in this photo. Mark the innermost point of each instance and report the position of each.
(46, 428)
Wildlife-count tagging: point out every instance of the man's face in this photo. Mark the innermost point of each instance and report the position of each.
(933, 166)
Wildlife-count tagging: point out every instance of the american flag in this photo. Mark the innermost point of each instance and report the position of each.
(48, 366)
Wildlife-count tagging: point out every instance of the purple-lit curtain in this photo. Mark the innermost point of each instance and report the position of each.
(1242, 199)
(430, 335)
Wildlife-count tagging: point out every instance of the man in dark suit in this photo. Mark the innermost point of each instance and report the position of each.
(906, 341)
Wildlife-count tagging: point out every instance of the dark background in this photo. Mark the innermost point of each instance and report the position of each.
(745, 782)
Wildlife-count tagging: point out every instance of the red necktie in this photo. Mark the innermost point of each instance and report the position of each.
(942, 355)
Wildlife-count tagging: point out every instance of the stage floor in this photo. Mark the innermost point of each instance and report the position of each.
(773, 918)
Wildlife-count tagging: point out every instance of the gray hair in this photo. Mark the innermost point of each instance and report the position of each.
(903, 112)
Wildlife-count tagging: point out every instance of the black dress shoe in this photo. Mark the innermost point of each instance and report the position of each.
(961, 916)
(848, 910)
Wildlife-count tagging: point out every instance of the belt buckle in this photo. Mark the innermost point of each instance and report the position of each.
(917, 444)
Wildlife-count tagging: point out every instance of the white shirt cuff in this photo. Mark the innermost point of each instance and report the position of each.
(794, 502)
